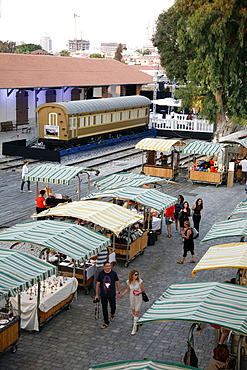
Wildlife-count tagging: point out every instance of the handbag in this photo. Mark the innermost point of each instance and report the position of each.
(145, 297)
(221, 354)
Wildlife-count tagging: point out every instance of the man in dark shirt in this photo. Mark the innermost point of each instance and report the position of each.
(107, 281)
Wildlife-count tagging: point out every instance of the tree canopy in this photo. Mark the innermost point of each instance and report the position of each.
(118, 53)
(27, 48)
(7, 46)
(211, 36)
(96, 55)
(64, 53)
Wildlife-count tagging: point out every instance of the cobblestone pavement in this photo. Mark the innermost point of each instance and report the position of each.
(73, 339)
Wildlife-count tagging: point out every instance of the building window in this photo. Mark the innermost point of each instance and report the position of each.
(52, 119)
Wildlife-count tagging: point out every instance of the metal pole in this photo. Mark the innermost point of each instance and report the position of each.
(155, 79)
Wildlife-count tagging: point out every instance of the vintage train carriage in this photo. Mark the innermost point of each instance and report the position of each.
(66, 124)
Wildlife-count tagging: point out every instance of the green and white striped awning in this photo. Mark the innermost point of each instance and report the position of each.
(222, 256)
(215, 303)
(141, 365)
(227, 229)
(162, 145)
(122, 179)
(240, 208)
(203, 147)
(110, 216)
(149, 197)
(80, 243)
(55, 173)
(19, 270)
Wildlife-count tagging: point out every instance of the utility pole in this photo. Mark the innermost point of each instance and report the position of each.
(155, 79)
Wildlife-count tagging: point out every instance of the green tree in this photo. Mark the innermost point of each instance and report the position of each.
(27, 48)
(7, 46)
(64, 53)
(217, 32)
(96, 55)
(147, 52)
(165, 39)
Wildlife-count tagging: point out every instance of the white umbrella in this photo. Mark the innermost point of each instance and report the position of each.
(169, 102)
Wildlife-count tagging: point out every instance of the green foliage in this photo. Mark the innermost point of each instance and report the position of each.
(205, 42)
(96, 55)
(147, 52)
(7, 46)
(64, 53)
(27, 48)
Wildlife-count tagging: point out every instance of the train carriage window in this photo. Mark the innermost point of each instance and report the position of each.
(133, 113)
(125, 114)
(82, 123)
(106, 118)
(98, 119)
(52, 119)
(72, 123)
(142, 112)
(116, 116)
(91, 120)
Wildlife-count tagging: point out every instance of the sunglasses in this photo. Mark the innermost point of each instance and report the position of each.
(136, 274)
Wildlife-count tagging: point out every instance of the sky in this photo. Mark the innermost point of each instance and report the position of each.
(99, 21)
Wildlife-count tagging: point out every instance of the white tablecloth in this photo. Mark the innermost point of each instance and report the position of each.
(29, 315)
(156, 223)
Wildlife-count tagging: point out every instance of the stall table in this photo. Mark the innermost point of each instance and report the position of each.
(32, 317)
(135, 248)
(9, 335)
(208, 177)
(84, 279)
(155, 170)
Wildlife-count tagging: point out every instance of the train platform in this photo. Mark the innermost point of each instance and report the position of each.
(73, 339)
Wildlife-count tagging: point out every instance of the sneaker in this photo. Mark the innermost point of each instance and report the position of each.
(29, 191)
(22, 191)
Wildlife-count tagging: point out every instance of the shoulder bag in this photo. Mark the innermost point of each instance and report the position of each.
(145, 297)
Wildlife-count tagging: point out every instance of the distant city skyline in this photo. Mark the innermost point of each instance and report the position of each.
(99, 22)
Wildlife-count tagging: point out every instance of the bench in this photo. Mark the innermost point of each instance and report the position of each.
(7, 126)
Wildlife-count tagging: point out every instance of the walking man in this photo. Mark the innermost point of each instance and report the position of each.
(243, 164)
(24, 173)
(107, 282)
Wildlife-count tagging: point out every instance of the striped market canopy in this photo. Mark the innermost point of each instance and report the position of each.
(161, 145)
(242, 142)
(122, 179)
(55, 173)
(215, 303)
(240, 208)
(141, 365)
(110, 216)
(203, 147)
(19, 270)
(222, 256)
(80, 243)
(149, 197)
(227, 229)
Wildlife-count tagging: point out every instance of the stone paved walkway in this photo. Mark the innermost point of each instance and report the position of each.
(73, 339)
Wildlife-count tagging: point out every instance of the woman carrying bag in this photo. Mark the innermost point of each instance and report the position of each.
(136, 287)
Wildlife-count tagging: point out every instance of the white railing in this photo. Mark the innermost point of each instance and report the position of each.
(180, 123)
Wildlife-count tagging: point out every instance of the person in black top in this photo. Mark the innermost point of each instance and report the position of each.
(198, 213)
(107, 281)
(188, 243)
(163, 159)
(178, 207)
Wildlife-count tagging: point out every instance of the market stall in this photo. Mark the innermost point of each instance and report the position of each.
(140, 198)
(79, 243)
(240, 209)
(123, 179)
(18, 272)
(164, 169)
(113, 218)
(204, 302)
(59, 174)
(141, 365)
(240, 152)
(212, 169)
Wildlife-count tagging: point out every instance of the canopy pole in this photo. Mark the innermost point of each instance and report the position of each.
(79, 187)
(114, 241)
(37, 188)
(239, 352)
(19, 305)
(128, 246)
(38, 303)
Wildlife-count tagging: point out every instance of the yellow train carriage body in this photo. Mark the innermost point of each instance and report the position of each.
(83, 118)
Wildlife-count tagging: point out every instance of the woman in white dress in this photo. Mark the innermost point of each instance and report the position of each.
(135, 286)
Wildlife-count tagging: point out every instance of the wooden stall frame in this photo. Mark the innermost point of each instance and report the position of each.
(10, 336)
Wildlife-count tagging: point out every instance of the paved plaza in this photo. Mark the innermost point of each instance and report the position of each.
(74, 340)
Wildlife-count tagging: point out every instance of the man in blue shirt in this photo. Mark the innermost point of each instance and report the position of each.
(107, 282)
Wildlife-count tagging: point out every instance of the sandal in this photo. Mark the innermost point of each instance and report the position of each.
(104, 326)
(192, 261)
(112, 318)
(180, 262)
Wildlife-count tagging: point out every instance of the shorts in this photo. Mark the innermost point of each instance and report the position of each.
(168, 222)
(244, 175)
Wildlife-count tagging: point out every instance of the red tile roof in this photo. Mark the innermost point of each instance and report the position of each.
(25, 70)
